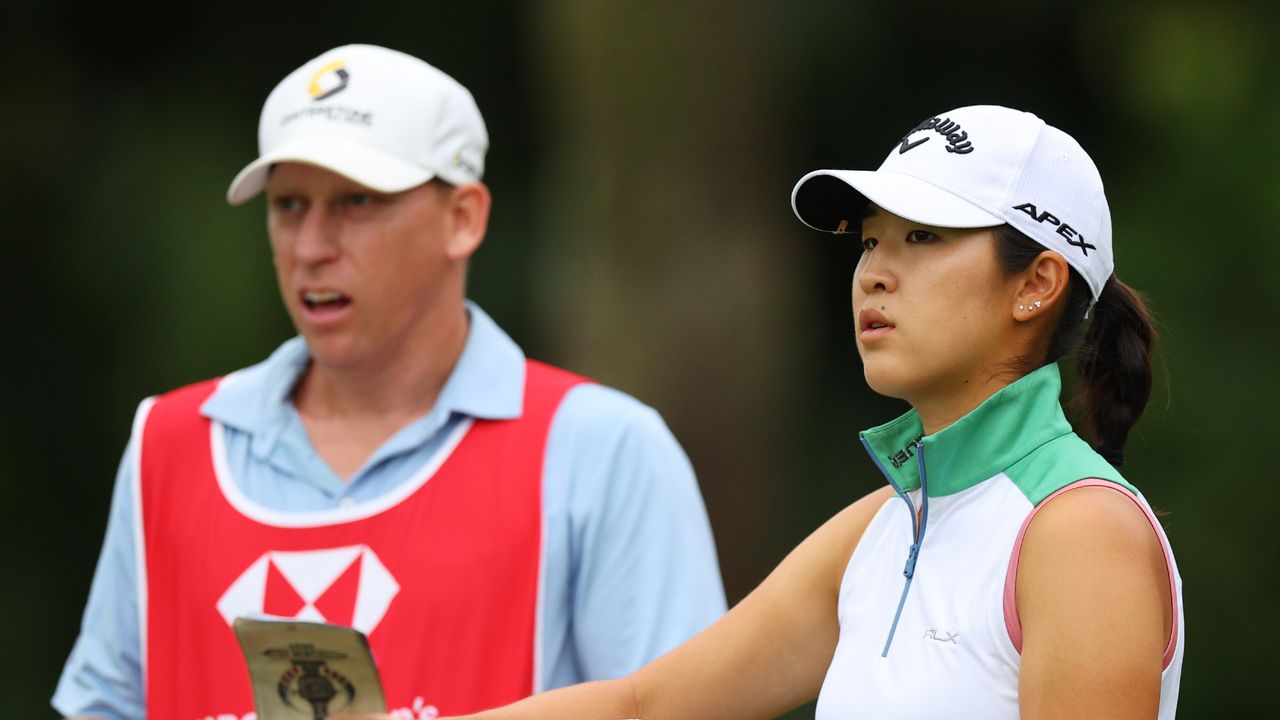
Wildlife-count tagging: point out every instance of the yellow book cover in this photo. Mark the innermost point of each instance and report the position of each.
(304, 670)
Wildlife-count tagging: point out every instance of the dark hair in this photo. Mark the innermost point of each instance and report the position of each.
(1113, 359)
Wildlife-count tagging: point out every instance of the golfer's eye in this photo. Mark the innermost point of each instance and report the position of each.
(359, 199)
(921, 236)
(869, 242)
(287, 203)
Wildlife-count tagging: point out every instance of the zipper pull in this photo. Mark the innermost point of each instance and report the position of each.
(910, 568)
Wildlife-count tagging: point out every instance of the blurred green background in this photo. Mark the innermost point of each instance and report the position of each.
(642, 158)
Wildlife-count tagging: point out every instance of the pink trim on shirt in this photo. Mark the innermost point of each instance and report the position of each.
(1011, 621)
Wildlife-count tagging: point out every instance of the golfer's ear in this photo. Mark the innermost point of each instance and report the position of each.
(468, 208)
(1043, 284)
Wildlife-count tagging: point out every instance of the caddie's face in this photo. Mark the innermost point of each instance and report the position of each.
(929, 306)
(359, 271)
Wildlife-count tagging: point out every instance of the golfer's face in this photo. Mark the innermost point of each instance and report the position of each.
(359, 270)
(929, 305)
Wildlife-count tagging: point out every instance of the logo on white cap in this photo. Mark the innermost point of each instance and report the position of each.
(979, 166)
(957, 139)
(329, 80)
(384, 119)
(1062, 228)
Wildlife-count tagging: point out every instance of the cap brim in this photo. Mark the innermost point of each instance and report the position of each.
(367, 165)
(833, 201)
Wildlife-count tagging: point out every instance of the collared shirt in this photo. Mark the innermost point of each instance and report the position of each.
(927, 605)
(630, 569)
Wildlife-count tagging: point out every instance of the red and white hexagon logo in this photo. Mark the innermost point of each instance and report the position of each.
(344, 586)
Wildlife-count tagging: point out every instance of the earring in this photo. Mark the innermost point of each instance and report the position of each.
(1022, 307)
(1037, 303)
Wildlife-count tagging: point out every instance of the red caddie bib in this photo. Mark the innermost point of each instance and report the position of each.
(442, 574)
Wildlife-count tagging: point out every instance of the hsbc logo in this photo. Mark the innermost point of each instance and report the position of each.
(344, 586)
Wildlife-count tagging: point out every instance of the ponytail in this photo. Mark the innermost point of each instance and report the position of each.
(1114, 364)
(1113, 359)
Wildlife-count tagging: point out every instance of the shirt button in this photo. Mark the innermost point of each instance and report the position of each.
(346, 503)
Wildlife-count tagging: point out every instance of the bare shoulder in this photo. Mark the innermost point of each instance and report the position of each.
(852, 521)
(1089, 541)
(1094, 601)
(1096, 521)
(834, 542)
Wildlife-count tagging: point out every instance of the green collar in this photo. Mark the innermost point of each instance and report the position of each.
(1005, 428)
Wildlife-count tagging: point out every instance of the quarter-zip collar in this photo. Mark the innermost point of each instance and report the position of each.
(992, 437)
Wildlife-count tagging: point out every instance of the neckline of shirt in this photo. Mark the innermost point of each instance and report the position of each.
(1003, 429)
(487, 382)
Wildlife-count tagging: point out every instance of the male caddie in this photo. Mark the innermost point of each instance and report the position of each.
(495, 526)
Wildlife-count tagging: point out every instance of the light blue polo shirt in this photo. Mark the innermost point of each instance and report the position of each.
(630, 565)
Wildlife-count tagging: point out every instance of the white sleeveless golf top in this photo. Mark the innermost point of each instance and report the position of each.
(928, 623)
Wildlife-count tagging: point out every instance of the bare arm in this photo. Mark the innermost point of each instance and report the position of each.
(766, 656)
(771, 652)
(1093, 597)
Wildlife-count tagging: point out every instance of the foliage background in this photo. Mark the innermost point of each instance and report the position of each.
(643, 153)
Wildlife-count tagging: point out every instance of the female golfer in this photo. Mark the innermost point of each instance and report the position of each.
(1007, 569)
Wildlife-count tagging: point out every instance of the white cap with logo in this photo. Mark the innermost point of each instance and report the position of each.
(978, 166)
(384, 119)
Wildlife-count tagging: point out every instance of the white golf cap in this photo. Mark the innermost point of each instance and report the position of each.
(973, 167)
(384, 119)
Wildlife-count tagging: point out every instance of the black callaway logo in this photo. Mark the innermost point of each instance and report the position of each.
(1071, 234)
(957, 140)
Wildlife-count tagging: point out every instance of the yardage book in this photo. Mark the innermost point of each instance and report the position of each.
(308, 670)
